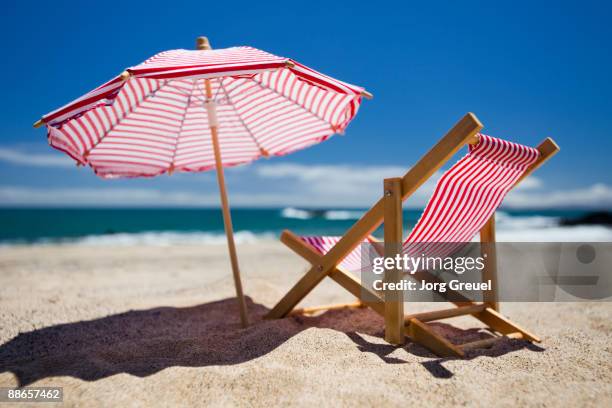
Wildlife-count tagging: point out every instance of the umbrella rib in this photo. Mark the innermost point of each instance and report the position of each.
(221, 86)
(259, 146)
(192, 94)
(262, 86)
(119, 119)
(178, 135)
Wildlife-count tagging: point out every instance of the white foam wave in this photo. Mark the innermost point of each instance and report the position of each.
(331, 215)
(342, 215)
(583, 233)
(510, 228)
(291, 212)
(514, 222)
(154, 238)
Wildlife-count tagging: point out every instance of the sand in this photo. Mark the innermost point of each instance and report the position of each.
(157, 326)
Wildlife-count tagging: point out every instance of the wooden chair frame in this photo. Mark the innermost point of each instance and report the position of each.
(389, 210)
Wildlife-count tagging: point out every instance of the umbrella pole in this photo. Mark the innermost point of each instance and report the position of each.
(202, 44)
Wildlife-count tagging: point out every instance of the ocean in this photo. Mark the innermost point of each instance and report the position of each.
(133, 226)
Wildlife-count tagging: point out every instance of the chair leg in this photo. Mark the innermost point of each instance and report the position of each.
(489, 253)
(394, 300)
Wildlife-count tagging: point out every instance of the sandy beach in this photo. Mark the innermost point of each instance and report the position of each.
(145, 325)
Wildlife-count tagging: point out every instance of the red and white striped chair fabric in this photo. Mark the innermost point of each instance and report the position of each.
(464, 199)
(467, 195)
(156, 121)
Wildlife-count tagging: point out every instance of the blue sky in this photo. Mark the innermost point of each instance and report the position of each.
(527, 69)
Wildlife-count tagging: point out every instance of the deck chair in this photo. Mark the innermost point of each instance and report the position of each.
(463, 205)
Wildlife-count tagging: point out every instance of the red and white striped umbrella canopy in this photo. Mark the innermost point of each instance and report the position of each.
(154, 117)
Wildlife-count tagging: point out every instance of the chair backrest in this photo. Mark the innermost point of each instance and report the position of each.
(463, 132)
(468, 194)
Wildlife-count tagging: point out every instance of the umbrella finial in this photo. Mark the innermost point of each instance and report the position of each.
(203, 44)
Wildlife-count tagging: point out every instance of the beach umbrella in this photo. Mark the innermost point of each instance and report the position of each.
(198, 110)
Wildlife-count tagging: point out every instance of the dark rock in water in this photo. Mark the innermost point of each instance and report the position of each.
(317, 213)
(594, 218)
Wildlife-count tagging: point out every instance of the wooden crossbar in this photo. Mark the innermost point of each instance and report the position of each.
(548, 148)
(316, 309)
(445, 313)
(300, 247)
(421, 333)
(485, 343)
(503, 325)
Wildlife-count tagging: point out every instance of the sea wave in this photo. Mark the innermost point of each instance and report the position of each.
(342, 215)
(296, 213)
(582, 233)
(151, 238)
(331, 215)
(510, 227)
(506, 221)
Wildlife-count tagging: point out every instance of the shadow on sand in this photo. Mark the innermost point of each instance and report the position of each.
(435, 365)
(144, 342)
